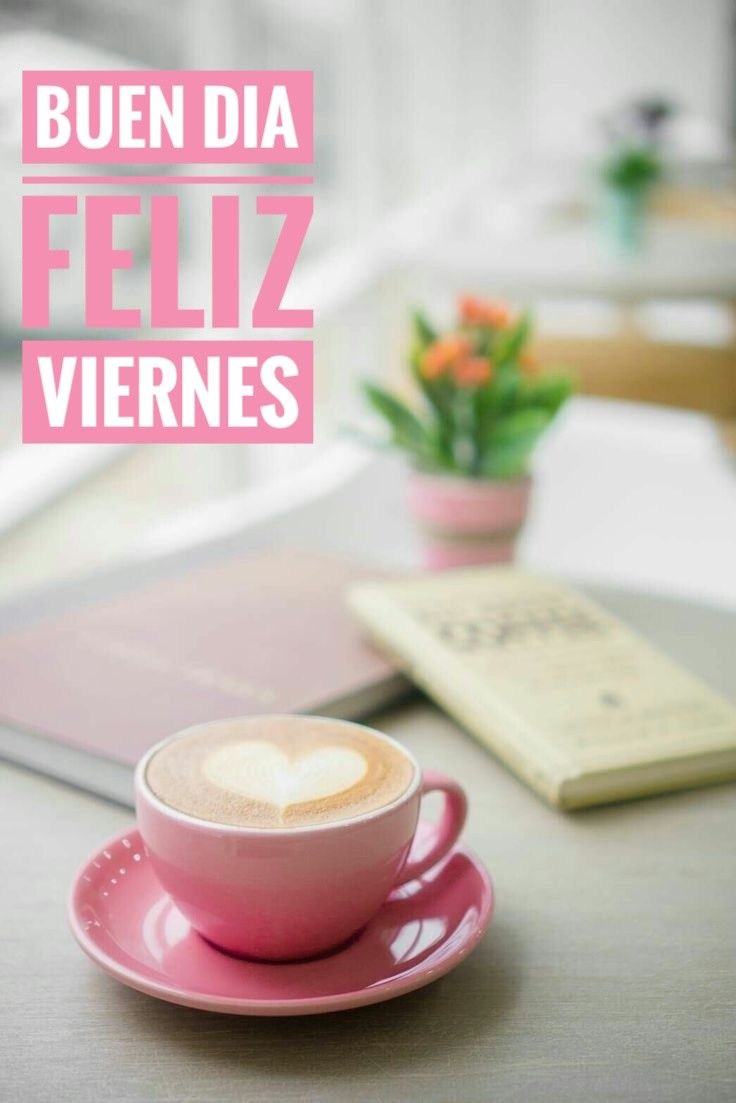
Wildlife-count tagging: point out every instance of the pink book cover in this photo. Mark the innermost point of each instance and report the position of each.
(261, 634)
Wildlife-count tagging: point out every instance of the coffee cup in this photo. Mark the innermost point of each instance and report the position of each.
(279, 838)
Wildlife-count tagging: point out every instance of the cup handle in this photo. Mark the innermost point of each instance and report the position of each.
(439, 838)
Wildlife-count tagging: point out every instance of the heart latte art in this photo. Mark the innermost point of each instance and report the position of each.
(265, 773)
(278, 772)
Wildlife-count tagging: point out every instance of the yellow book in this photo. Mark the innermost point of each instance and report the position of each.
(579, 706)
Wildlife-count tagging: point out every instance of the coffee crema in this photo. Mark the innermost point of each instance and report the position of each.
(278, 772)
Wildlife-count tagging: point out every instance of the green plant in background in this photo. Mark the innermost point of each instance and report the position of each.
(484, 404)
(632, 169)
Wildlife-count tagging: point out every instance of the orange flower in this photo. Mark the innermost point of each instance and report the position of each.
(472, 371)
(529, 363)
(439, 357)
(480, 312)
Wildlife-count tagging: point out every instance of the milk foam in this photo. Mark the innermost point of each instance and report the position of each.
(278, 771)
(263, 772)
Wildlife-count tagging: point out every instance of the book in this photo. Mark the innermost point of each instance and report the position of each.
(580, 707)
(83, 694)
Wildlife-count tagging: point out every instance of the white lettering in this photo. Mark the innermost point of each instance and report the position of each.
(269, 378)
(216, 137)
(51, 105)
(115, 389)
(57, 398)
(237, 390)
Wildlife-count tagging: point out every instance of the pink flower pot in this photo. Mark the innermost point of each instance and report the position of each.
(468, 521)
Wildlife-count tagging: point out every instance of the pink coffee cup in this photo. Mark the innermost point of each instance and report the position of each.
(285, 894)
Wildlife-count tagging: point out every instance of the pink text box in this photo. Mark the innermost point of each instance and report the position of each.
(297, 83)
(37, 426)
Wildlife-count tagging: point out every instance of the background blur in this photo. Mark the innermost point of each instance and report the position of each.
(460, 147)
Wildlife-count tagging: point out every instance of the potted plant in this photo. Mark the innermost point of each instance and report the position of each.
(484, 406)
(628, 176)
(634, 163)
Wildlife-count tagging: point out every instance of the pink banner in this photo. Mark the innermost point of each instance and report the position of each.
(167, 392)
(167, 117)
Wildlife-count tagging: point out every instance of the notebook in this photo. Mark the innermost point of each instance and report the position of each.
(580, 707)
(84, 694)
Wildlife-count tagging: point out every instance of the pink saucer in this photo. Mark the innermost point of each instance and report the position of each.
(131, 928)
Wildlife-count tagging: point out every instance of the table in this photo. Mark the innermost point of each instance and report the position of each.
(625, 494)
(571, 257)
(608, 974)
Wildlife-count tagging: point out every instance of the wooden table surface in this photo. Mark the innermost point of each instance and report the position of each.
(609, 972)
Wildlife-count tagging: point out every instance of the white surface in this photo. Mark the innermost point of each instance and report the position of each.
(573, 258)
(626, 494)
(636, 495)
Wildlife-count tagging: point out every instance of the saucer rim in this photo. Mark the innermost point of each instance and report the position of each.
(381, 991)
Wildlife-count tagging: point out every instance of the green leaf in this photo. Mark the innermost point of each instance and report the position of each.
(632, 169)
(499, 396)
(510, 443)
(491, 404)
(548, 391)
(407, 430)
(509, 342)
(423, 331)
(522, 423)
(508, 462)
(406, 427)
(439, 394)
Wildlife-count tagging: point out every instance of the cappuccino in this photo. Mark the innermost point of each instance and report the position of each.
(279, 772)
